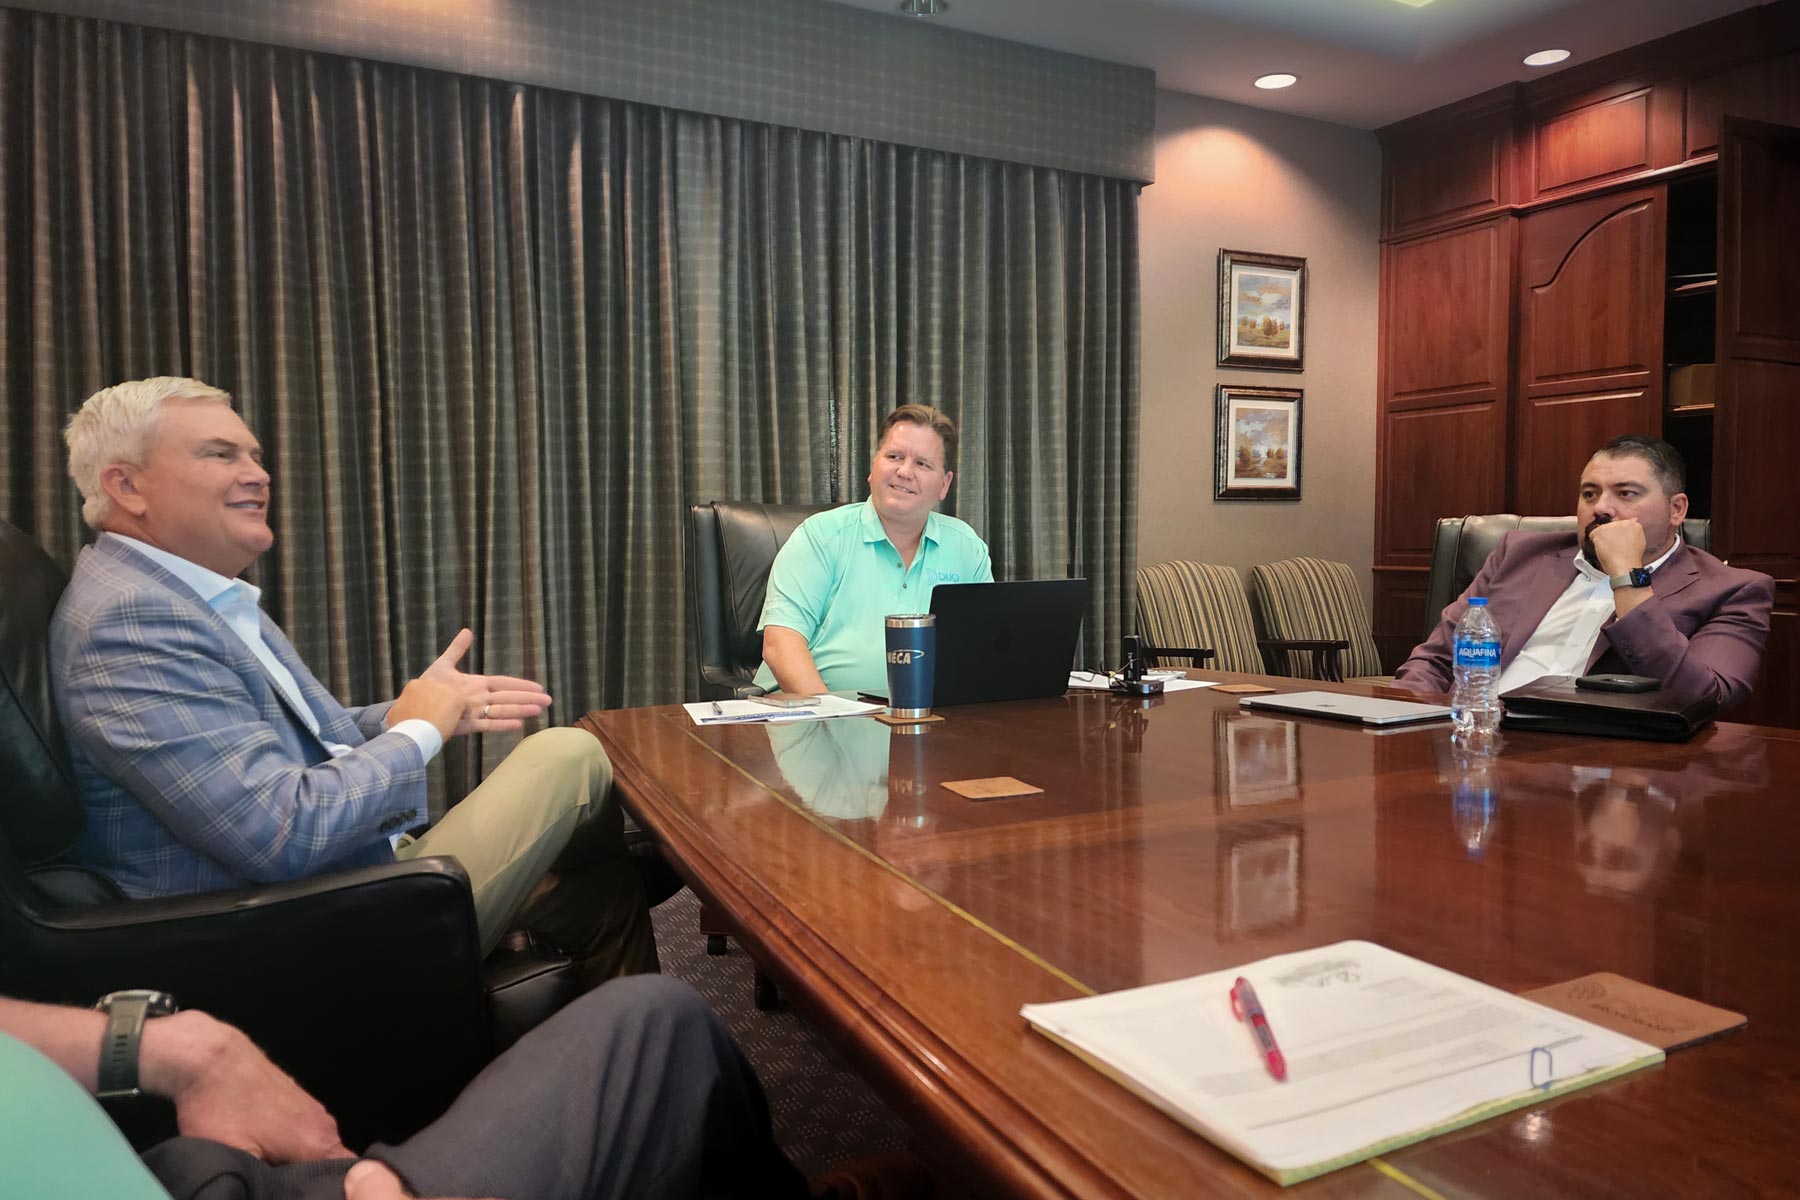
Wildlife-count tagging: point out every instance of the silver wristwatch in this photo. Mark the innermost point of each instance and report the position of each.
(126, 1013)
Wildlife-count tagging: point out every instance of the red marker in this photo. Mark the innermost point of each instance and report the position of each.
(1246, 1007)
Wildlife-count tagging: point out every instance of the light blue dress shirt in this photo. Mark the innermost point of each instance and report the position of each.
(237, 604)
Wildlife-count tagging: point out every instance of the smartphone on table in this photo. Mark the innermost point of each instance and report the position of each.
(785, 700)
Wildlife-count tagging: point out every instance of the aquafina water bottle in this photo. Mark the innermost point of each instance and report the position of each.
(1475, 694)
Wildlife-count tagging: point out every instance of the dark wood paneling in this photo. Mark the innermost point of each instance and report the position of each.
(1759, 220)
(1590, 338)
(1399, 612)
(1446, 320)
(1452, 465)
(1445, 314)
(1756, 502)
(1776, 700)
(1448, 174)
(1606, 137)
(1758, 420)
(1619, 130)
(1591, 280)
(1765, 91)
(1557, 436)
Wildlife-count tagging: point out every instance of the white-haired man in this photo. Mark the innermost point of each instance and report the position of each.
(208, 756)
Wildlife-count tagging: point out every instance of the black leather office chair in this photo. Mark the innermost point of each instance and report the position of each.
(1462, 544)
(731, 546)
(366, 985)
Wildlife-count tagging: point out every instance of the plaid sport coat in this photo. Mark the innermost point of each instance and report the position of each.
(194, 772)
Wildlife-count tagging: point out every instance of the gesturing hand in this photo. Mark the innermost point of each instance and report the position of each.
(491, 703)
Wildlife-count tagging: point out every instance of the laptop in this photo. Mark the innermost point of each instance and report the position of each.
(1365, 710)
(1004, 641)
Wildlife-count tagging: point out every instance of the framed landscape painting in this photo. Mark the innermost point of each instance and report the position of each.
(1256, 455)
(1262, 310)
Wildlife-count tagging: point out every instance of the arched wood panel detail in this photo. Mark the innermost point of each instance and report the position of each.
(1590, 338)
(1592, 278)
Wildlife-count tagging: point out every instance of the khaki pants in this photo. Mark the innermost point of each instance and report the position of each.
(519, 824)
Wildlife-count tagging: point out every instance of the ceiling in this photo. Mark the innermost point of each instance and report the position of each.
(1362, 63)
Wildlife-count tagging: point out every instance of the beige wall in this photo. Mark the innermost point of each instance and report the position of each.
(1236, 177)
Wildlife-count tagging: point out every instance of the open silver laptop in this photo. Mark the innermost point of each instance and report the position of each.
(1366, 710)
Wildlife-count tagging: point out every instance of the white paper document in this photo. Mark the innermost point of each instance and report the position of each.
(1381, 1050)
(740, 712)
(1096, 681)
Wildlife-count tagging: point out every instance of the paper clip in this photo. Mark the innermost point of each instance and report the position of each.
(1549, 1068)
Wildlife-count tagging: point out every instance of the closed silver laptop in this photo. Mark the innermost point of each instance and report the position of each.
(1365, 710)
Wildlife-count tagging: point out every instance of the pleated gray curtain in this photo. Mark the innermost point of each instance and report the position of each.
(495, 337)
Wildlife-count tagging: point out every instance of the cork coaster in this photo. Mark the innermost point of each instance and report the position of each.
(1241, 689)
(891, 719)
(1649, 1014)
(996, 788)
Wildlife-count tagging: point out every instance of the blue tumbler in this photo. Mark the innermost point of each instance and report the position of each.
(911, 654)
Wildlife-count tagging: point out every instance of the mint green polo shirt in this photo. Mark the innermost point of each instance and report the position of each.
(55, 1140)
(839, 577)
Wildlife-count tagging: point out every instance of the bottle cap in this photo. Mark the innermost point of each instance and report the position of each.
(1477, 601)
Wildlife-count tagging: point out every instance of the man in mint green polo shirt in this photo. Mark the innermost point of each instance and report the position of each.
(844, 571)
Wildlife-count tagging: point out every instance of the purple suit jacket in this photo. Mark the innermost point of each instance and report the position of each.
(1701, 632)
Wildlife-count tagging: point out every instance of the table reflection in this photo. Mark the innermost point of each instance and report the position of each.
(1631, 824)
(854, 769)
(1625, 834)
(1472, 801)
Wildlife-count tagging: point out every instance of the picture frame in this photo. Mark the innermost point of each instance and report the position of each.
(1257, 450)
(1262, 311)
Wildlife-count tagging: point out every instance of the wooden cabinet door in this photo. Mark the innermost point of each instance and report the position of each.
(1756, 518)
(1446, 338)
(1445, 322)
(1590, 338)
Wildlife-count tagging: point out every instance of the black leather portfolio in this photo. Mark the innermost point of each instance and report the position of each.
(1555, 705)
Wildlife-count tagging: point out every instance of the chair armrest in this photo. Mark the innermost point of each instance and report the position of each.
(1194, 655)
(727, 685)
(365, 985)
(1325, 653)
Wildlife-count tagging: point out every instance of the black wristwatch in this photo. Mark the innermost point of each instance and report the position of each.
(126, 1013)
(1637, 577)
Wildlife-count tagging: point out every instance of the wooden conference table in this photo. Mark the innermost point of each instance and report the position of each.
(1179, 836)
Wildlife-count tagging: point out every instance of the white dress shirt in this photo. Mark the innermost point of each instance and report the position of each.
(1564, 640)
(236, 602)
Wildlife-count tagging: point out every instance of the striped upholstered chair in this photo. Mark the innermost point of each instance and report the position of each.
(1184, 607)
(1317, 603)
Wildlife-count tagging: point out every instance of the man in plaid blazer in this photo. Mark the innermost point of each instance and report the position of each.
(208, 756)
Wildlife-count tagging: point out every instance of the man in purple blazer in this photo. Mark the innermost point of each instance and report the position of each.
(1624, 594)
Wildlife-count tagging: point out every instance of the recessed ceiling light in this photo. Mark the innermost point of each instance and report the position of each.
(1546, 58)
(924, 8)
(1271, 82)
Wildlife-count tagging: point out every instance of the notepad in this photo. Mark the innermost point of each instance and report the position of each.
(747, 712)
(1382, 1050)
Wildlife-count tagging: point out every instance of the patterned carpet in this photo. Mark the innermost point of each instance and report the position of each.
(823, 1115)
